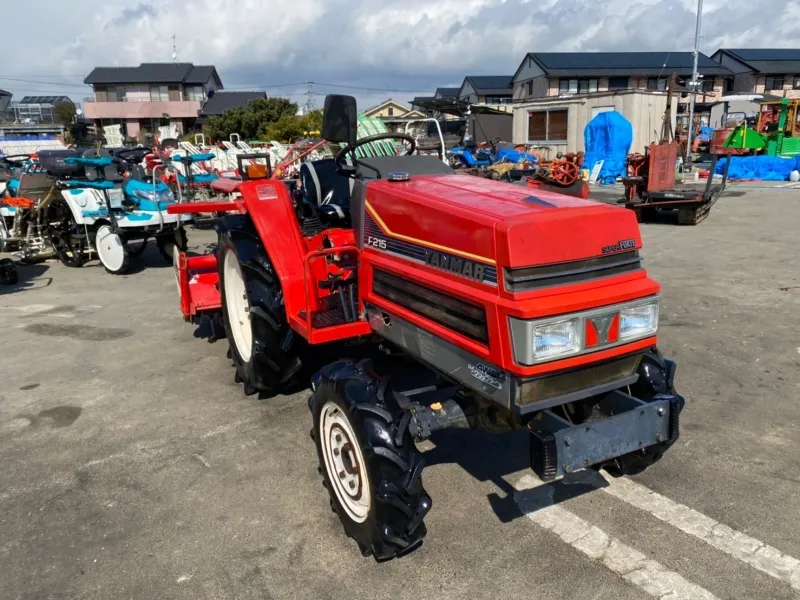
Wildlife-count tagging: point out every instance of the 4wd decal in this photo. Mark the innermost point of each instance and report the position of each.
(486, 374)
(620, 246)
(454, 264)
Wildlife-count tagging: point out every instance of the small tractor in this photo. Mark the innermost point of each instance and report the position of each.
(650, 186)
(465, 302)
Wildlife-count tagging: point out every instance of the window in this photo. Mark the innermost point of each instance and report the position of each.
(193, 92)
(568, 86)
(729, 84)
(498, 100)
(618, 83)
(656, 84)
(708, 85)
(115, 94)
(159, 93)
(530, 88)
(547, 126)
(390, 111)
(796, 84)
(774, 83)
(577, 86)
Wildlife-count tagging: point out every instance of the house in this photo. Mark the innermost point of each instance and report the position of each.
(759, 71)
(396, 114)
(142, 99)
(489, 90)
(560, 74)
(219, 101)
(5, 100)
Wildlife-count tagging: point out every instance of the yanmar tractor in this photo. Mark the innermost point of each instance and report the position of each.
(488, 306)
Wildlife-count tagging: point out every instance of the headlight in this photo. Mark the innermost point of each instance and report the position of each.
(638, 321)
(145, 194)
(165, 195)
(556, 339)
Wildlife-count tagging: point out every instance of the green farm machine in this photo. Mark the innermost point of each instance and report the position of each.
(776, 131)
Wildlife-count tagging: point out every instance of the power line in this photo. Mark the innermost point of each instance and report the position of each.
(372, 89)
(82, 85)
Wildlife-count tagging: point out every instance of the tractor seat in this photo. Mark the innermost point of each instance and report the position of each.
(103, 184)
(327, 190)
(199, 177)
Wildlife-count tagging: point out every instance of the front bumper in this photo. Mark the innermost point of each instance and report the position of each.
(621, 426)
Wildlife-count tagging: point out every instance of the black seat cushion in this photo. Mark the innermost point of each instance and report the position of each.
(328, 190)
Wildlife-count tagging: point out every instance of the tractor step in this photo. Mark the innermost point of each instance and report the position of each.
(559, 447)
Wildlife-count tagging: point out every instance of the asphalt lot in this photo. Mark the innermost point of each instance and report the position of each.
(133, 466)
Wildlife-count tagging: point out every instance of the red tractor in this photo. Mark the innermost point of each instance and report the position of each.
(488, 305)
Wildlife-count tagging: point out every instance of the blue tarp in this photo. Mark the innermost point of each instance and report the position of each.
(608, 137)
(765, 168)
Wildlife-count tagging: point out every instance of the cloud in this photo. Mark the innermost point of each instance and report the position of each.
(415, 45)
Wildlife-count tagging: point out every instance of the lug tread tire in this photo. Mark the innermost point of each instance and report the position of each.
(8, 272)
(394, 525)
(274, 358)
(168, 241)
(655, 378)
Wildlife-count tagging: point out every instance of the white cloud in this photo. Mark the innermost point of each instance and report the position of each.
(410, 45)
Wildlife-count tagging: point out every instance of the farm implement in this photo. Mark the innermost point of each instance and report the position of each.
(476, 301)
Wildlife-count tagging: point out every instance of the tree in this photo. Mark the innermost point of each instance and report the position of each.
(249, 121)
(290, 128)
(64, 113)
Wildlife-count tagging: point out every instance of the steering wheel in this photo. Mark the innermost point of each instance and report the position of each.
(389, 135)
(136, 153)
(16, 160)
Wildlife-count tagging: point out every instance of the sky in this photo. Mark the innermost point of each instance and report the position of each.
(373, 49)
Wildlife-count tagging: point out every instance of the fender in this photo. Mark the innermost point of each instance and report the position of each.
(270, 208)
(85, 205)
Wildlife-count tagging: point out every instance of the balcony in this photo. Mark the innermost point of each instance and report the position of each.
(140, 109)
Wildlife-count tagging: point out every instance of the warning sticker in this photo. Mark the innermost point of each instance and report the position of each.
(266, 192)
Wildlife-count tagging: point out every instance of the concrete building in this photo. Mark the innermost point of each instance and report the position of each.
(558, 123)
(142, 99)
(762, 71)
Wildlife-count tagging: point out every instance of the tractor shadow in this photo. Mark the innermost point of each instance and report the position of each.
(30, 276)
(499, 458)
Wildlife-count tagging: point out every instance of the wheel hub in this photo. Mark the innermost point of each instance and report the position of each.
(344, 462)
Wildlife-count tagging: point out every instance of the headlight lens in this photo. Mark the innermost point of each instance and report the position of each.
(638, 321)
(166, 195)
(556, 339)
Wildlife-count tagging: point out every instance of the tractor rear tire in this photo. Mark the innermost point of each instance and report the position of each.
(8, 272)
(263, 348)
(167, 242)
(368, 461)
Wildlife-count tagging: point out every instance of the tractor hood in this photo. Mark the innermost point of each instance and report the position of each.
(496, 223)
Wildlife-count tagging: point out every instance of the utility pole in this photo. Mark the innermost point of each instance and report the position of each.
(694, 83)
(310, 97)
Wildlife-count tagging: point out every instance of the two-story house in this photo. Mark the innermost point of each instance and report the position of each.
(762, 71)
(557, 93)
(488, 90)
(149, 96)
(545, 74)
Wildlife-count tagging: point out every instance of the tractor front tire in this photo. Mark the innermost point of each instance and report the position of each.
(656, 376)
(263, 348)
(368, 461)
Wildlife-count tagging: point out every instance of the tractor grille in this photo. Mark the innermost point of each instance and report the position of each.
(463, 317)
(524, 279)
